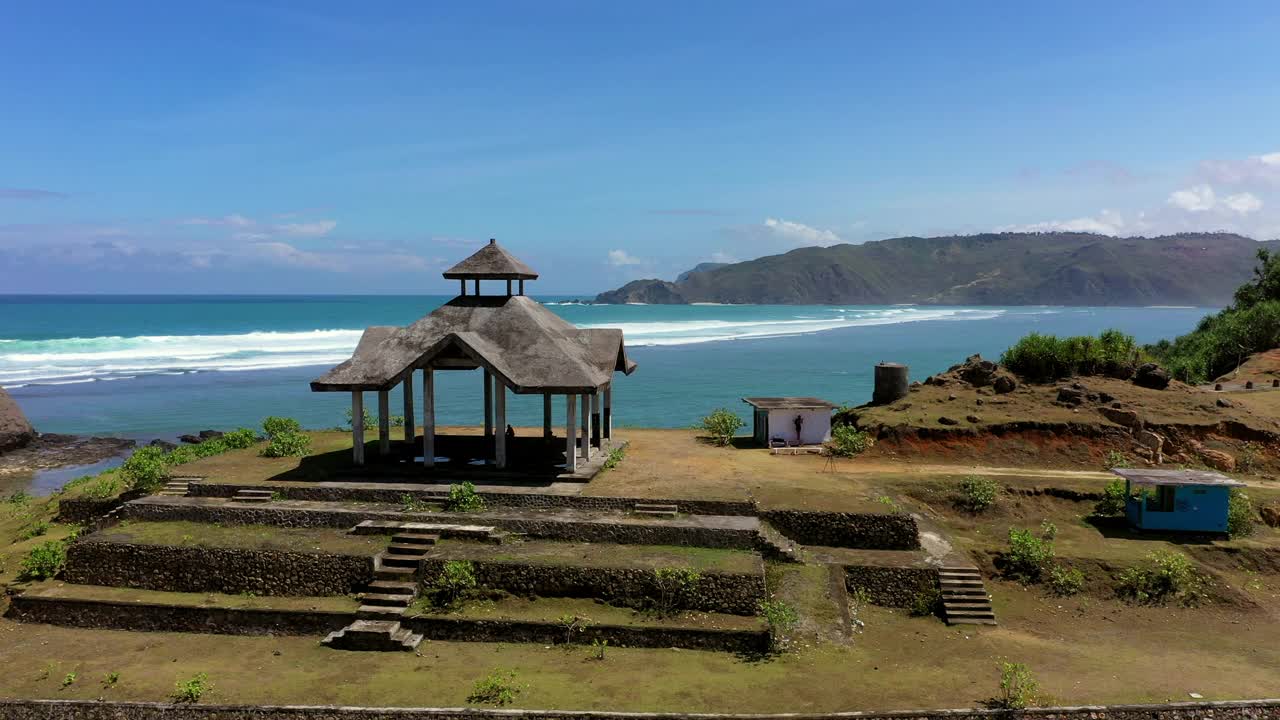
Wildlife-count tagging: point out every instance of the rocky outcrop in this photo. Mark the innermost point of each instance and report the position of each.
(1151, 375)
(1271, 514)
(1122, 417)
(15, 431)
(646, 292)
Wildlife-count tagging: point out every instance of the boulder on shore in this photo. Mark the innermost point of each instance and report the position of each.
(1152, 376)
(15, 430)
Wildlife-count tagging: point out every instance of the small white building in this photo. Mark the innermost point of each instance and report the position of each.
(790, 421)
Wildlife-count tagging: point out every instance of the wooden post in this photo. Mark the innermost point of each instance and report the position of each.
(410, 427)
(586, 427)
(357, 427)
(500, 439)
(463, 286)
(608, 412)
(488, 408)
(546, 416)
(477, 286)
(428, 418)
(570, 433)
(384, 422)
(522, 287)
(595, 419)
(508, 287)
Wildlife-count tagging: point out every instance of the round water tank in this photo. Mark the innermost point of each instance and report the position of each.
(891, 383)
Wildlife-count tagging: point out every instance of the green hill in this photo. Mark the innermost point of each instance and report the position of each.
(987, 269)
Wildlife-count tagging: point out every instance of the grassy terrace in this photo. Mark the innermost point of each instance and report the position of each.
(246, 537)
(545, 552)
(54, 589)
(550, 610)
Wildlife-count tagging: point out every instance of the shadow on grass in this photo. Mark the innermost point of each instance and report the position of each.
(1117, 528)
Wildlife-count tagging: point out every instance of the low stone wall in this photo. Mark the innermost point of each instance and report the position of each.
(549, 527)
(152, 617)
(212, 569)
(100, 710)
(303, 491)
(81, 511)
(869, 531)
(507, 631)
(890, 586)
(732, 593)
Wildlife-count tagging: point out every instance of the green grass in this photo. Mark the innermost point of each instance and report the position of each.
(247, 537)
(57, 589)
(603, 555)
(510, 607)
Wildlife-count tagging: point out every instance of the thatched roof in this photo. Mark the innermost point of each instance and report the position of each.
(530, 348)
(491, 262)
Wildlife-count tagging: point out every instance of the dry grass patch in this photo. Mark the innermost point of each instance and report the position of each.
(244, 537)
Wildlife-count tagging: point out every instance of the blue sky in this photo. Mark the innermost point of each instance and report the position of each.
(362, 147)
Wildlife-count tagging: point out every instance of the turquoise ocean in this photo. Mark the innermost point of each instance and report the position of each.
(158, 366)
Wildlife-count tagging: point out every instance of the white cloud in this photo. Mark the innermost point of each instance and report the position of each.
(620, 258)
(1254, 170)
(308, 229)
(723, 257)
(233, 220)
(1108, 222)
(1194, 199)
(800, 234)
(1243, 203)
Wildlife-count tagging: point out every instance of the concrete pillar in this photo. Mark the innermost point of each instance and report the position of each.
(357, 427)
(522, 287)
(409, 425)
(571, 434)
(508, 288)
(586, 427)
(546, 416)
(488, 407)
(477, 288)
(500, 440)
(463, 288)
(595, 419)
(428, 418)
(607, 428)
(384, 422)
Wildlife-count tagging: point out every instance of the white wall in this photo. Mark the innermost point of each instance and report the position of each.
(815, 430)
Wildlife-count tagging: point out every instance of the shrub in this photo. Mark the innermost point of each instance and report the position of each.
(369, 421)
(615, 458)
(239, 439)
(1028, 555)
(37, 528)
(1116, 459)
(1065, 580)
(1018, 688)
(498, 688)
(146, 469)
(456, 578)
(572, 624)
(288, 444)
(44, 561)
(848, 441)
(104, 486)
(1113, 499)
(1044, 358)
(722, 425)
(675, 586)
(68, 679)
(110, 679)
(192, 689)
(598, 647)
(782, 617)
(463, 498)
(1048, 530)
(1239, 513)
(274, 426)
(977, 493)
(1164, 575)
(926, 602)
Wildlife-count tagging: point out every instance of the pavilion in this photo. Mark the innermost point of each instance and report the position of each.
(518, 344)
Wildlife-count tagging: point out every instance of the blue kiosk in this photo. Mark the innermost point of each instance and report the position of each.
(1177, 500)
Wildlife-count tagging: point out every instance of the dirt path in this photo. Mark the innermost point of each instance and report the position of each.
(863, 467)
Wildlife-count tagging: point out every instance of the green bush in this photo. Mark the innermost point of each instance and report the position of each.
(1240, 514)
(926, 602)
(1116, 459)
(456, 579)
(722, 425)
(239, 439)
(463, 498)
(1065, 580)
(146, 469)
(498, 688)
(676, 586)
(274, 426)
(1018, 688)
(1044, 358)
(1028, 555)
(192, 689)
(1164, 575)
(288, 444)
(977, 493)
(1048, 530)
(781, 617)
(848, 441)
(44, 561)
(615, 458)
(1113, 499)
(369, 421)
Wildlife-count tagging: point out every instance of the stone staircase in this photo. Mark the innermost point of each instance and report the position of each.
(776, 546)
(176, 487)
(964, 597)
(663, 510)
(246, 495)
(395, 572)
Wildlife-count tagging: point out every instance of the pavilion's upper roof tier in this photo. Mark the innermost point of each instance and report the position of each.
(491, 262)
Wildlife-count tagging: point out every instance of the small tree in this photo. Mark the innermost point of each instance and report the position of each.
(463, 498)
(1018, 688)
(1113, 500)
(455, 579)
(239, 439)
(44, 561)
(848, 441)
(1028, 555)
(274, 426)
(676, 587)
(782, 618)
(977, 493)
(1240, 514)
(1065, 580)
(192, 689)
(146, 469)
(722, 425)
(1164, 575)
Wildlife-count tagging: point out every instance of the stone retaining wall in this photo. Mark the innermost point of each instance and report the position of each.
(211, 569)
(732, 593)
(81, 511)
(869, 531)
(891, 586)
(153, 617)
(100, 710)
(550, 528)
(302, 491)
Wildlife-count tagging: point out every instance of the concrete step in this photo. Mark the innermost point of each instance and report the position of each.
(396, 574)
(419, 551)
(963, 574)
(388, 599)
(407, 639)
(977, 590)
(374, 635)
(395, 527)
(972, 621)
(978, 614)
(379, 612)
(406, 538)
(656, 506)
(960, 582)
(251, 498)
(656, 513)
(246, 492)
(409, 562)
(391, 587)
